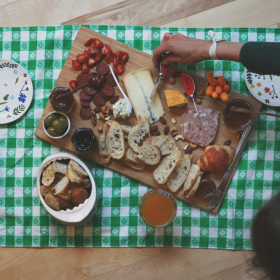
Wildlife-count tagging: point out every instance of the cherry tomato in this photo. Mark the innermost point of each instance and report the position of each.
(125, 58)
(109, 57)
(91, 62)
(91, 51)
(118, 54)
(105, 49)
(119, 69)
(86, 53)
(98, 56)
(85, 68)
(116, 61)
(73, 84)
(80, 58)
(88, 42)
(76, 65)
(97, 43)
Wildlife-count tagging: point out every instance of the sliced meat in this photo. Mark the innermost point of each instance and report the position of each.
(84, 96)
(90, 90)
(108, 91)
(102, 69)
(85, 113)
(114, 99)
(201, 131)
(110, 80)
(98, 100)
(85, 103)
(82, 79)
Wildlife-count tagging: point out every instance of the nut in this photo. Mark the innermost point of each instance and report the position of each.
(179, 136)
(227, 143)
(155, 133)
(104, 110)
(100, 129)
(163, 120)
(171, 80)
(233, 130)
(197, 100)
(185, 147)
(153, 128)
(189, 150)
(173, 130)
(174, 121)
(97, 109)
(166, 130)
(192, 145)
(102, 117)
(200, 92)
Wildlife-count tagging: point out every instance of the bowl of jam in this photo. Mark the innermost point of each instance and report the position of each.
(83, 139)
(238, 120)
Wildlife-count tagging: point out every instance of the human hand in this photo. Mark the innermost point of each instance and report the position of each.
(185, 50)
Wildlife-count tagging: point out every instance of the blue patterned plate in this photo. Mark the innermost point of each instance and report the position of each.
(265, 88)
(16, 91)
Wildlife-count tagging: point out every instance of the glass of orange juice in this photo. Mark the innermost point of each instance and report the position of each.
(157, 208)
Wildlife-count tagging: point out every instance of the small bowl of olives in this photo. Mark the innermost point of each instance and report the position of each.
(56, 124)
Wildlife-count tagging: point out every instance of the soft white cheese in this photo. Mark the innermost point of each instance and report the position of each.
(120, 109)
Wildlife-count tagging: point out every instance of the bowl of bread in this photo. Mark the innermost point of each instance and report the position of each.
(67, 189)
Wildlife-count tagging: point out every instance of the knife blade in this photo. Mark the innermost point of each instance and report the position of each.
(220, 192)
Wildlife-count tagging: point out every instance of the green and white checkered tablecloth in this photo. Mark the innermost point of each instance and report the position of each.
(25, 222)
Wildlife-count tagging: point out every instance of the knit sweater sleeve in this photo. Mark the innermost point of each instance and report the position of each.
(261, 57)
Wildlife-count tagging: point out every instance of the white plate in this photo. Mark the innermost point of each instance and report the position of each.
(16, 91)
(265, 88)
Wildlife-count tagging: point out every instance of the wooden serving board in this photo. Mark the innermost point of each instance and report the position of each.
(139, 60)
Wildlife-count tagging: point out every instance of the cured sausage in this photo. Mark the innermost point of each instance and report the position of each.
(90, 90)
(110, 80)
(108, 91)
(114, 99)
(97, 81)
(84, 103)
(102, 69)
(82, 79)
(84, 96)
(98, 100)
(85, 113)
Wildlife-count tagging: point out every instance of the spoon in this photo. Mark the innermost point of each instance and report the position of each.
(243, 110)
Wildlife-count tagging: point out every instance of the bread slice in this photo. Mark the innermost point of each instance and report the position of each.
(76, 167)
(74, 176)
(191, 179)
(126, 128)
(104, 156)
(79, 195)
(194, 188)
(44, 190)
(165, 143)
(131, 156)
(62, 186)
(138, 166)
(149, 154)
(114, 141)
(60, 167)
(48, 175)
(137, 134)
(52, 202)
(166, 166)
(180, 173)
(64, 204)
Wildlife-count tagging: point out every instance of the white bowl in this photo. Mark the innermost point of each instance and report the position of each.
(79, 215)
(68, 128)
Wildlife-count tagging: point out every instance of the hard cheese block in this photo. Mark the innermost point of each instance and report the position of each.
(174, 98)
(139, 86)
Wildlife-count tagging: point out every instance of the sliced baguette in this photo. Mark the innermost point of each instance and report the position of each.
(126, 128)
(76, 167)
(191, 179)
(62, 186)
(180, 173)
(165, 143)
(64, 204)
(166, 166)
(48, 175)
(194, 188)
(79, 195)
(131, 156)
(138, 166)
(137, 134)
(52, 202)
(74, 176)
(44, 190)
(60, 167)
(104, 156)
(149, 154)
(114, 141)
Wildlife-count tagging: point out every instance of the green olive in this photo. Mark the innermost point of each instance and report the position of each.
(64, 120)
(53, 132)
(49, 119)
(59, 126)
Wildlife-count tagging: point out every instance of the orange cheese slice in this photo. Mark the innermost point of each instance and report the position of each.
(174, 98)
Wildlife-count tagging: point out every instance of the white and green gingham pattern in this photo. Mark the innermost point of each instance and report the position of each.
(24, 221)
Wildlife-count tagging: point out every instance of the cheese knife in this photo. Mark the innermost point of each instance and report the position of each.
(161, 70)
(220, 192)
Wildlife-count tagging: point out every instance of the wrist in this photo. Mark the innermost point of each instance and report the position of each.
(204, 51)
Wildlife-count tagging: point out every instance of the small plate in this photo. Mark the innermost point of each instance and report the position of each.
(16, 91)
(265, 88)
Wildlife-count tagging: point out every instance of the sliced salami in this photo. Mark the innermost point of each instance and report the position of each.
(108, 91)
(84, 96)
(110, 80)
(200, 130)
(114, 99)
(90, 90)
(85, 103)
(82, 79)
(102, 69)
(85, 113)
(98, 100)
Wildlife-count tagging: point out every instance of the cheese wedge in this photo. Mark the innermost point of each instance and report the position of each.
(174, 98)
(139, 86)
